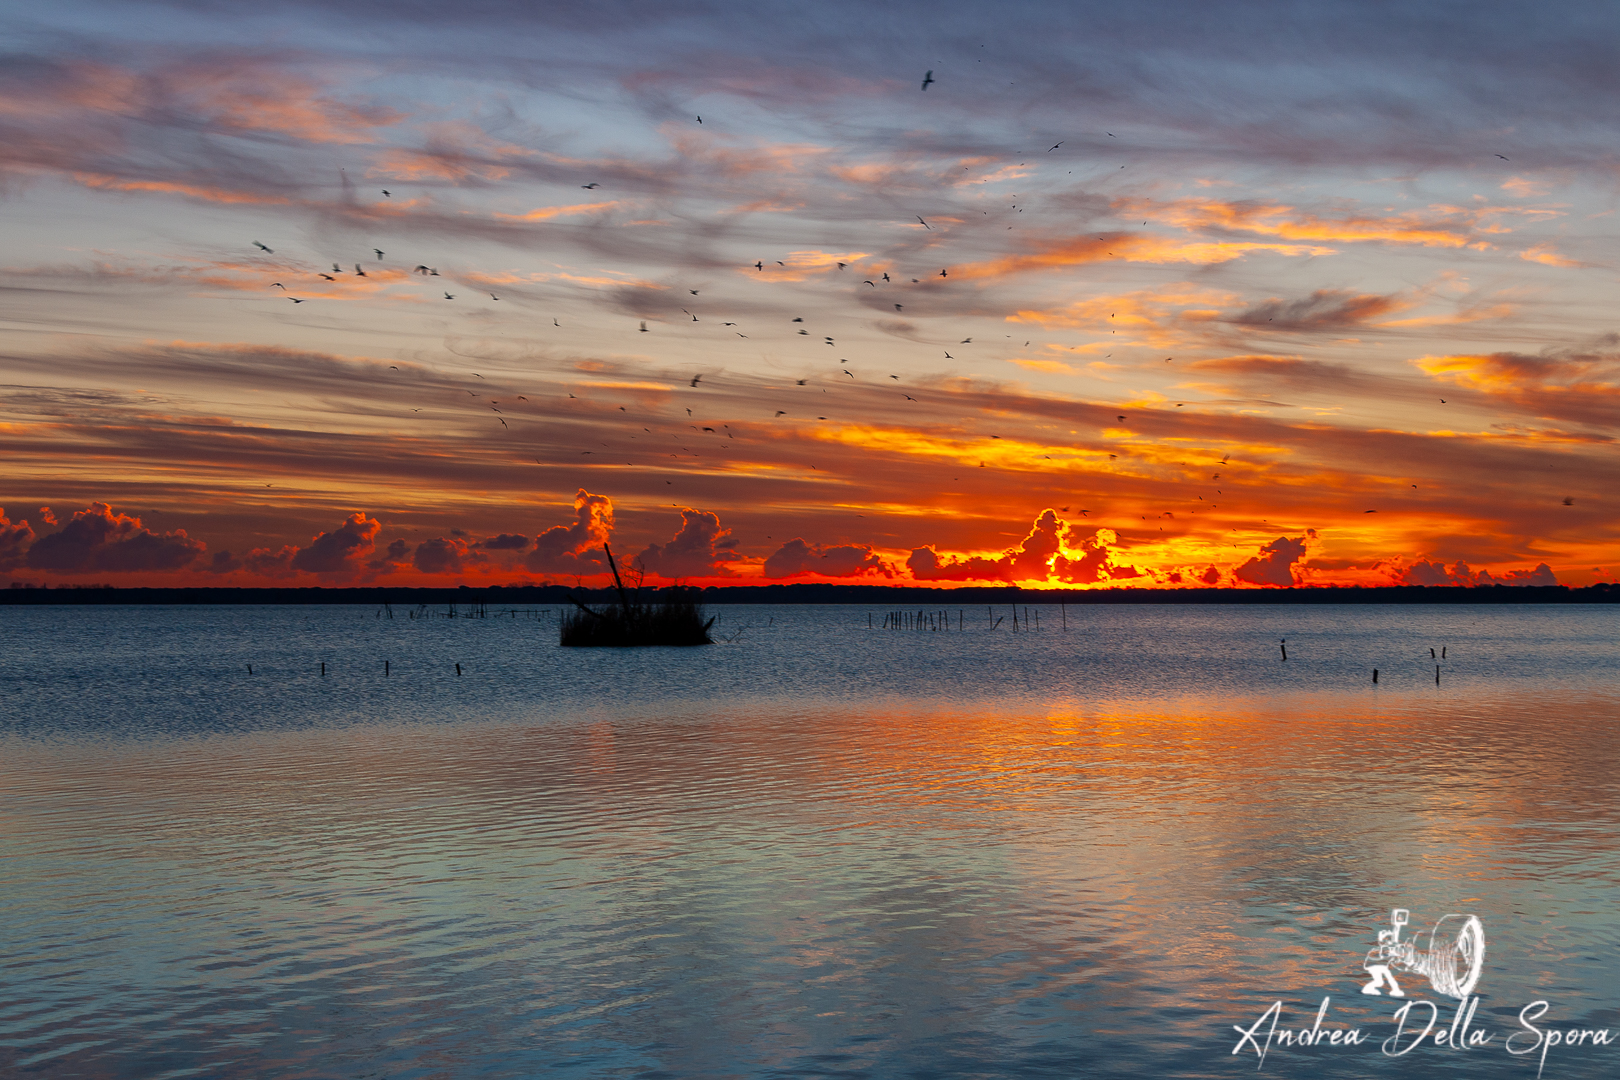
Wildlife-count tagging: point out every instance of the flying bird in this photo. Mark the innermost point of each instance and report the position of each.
(897, 307)
(948, 356)
(695, 379)
(871, 283)
(965, 341)
(1504, 158)
(359, 271)
(942, 274)
(295, 299)
(387, 194)
(760, 265)
(336, 269)
(928, 78)
(379, 252)
(1054, 147)
(447, 296)
(590, 186)
(261, 247)
(700, 119)
(328, 277)
(1568, 501)
(925, 224)
(780, 412)
(278, 285)
(644, 328)
(896, 378)
(802, 382)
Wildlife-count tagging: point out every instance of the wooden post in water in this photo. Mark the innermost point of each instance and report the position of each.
(1375, 676)
(323, 669)
(385, 669)
(1437, 674)
(250, 669)
(1284, 647)
(1063, 613)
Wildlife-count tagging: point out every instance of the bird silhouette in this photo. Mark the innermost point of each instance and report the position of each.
(387, 194)
(1504, 158)
(644, 328)
(871, 283)
(262, 247)
(591, 186)
(336, 269)
(1054, 147)
(695, 379)
(359, 271)
(942, 274)
(278, 285)
(379, 252)
(801, 382)
(779, 412)
(700, 119)
(295, 299)
(759, 265)
(328, 277)
(925, 224)
(447, 296)
(928, 78)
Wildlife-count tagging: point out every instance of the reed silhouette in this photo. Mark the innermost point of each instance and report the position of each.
(676, 620)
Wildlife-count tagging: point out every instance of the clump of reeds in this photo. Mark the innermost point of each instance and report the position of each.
(678, 620)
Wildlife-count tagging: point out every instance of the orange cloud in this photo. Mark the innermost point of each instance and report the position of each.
(1438, 226)
(1547, 255)
(1124, 247)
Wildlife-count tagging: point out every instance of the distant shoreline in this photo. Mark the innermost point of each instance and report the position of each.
(896, 596)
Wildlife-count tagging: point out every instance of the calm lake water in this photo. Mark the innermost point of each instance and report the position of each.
(813, 849)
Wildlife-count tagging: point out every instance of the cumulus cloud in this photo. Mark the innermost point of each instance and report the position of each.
(223, 562)
(14, 541)
(700, 549)
(1052, 549)
(344, 548)
(274, 564)
(98, 539)
(446, 556)
(839, 560)
(1424, 572)
(1275, 563)
(569, 549)
(391, 559)
(505, 542)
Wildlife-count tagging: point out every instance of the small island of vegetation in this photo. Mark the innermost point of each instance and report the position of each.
(676, 620)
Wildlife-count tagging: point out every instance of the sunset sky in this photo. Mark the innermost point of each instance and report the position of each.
(1129, 295)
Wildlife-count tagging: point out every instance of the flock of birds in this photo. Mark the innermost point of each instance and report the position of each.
(878, 281)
